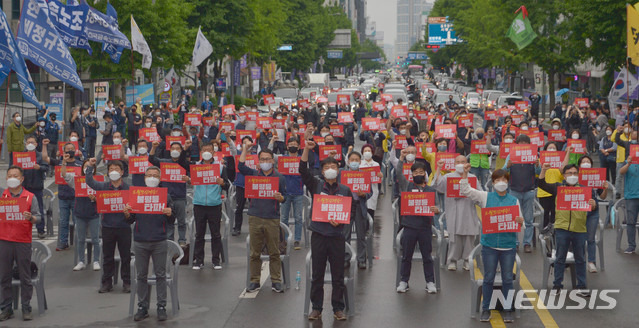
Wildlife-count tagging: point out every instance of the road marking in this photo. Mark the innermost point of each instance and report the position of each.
(263, 276)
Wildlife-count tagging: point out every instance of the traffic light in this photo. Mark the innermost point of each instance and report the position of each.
(432, 46)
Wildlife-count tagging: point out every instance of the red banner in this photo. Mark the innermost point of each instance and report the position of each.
(557, 135)
(446, 131)
(25, 160)
(279, 124)
(146, 200)
(512, 129)
(337, 130)
(356, 181)
(288, 165)
(59, 179)
(408, 174)
(228, 109)
(227, 126)
(81, 187)
(325, 150)
(573, 199)
(593, 177)
(172, 139)
(398, 111)
(240, 134)
(379, 106)
(252, 161)
(332, 208)
(150, 134)
(452, 186)
(370, 123)
(204, 174)
(490, 115)
(303, 103)
(500, 219)
(269, 99)
(430, 148)
(345, 117)
(343, 99)
(578, 146)
(208, 120)
(374, 172)
(112, 152)
(402, 143)
(504, 111)
(321, 99)
(386, 97)
(111, 201)
(252, 116)
(139, 164)
(172, 172)
(478, 147)
(581, 102)
(319, 140)
(61, 147)
(449, 160)
(264, 122)
(261, 187)
(555, 158)
(517, 119)
(634, 152)
(465, 121)
(521, 105)
(11, 209)
(536, 137)
(421, 114)
(193, 119)
(523, 154)
(504, 150)
(417, 203)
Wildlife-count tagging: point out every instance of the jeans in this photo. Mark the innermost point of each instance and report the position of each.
(239, 208)
(526, 201)
(144, 251)
(93, 225)
(619, 181)
(506, 260)
(482, 176)
(297, 202)
(592, 223)
(111, 237)
(66, 206)
(632, 209)
(20, 253)
(565, 240)
(410, 238)
(265, 232)
(210, 215)
(38, 195)
(440, 201)
(331, 249)
(179, 205)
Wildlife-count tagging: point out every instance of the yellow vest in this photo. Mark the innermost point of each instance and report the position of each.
(552, 176)
(621, 151)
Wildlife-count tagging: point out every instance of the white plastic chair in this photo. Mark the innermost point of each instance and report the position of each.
(417, 256)
(549, 262)
(285, 258)
(40, 254)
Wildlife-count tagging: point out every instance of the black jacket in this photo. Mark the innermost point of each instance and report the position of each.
(152, 227)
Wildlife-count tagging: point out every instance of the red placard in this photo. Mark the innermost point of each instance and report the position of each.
(500, 219)
(240, 134)
(299, 137)
(421, 114)
(11, 210)
(430, 148)
(59, 179)
(555, 158)
(521, 105)
(417, 203)
(578, 146)
(171, 139)
(399, 111)
(149, 134)
(371, 123)
(321, 99)
(465, 121)
(449, 160)
(81, 187)
(356, 181)
(304, 103)
(172, 172)
(504, 111)
(581, 102)
(634, 152)
(382, 123)
(264, 122)
(111, 201)
(343, 99)
(225, 149)
(337, 130)
(193, 119)
(557, 135)
(252, 116)
(61, 146)
(517, 119)
(288, 165)
(112, 152)
(252, 161)
(228, 109)
(374, 172)
(319, 140)
(25, 160)
(512, 129)
(504, 150)
(523, 154)
(592, 115)
(269, 99)
(573, 199)
(332, 208)
(379, 106)
(204, 174)
(345, 117)
(208, 120)
(146, 200)
(478, 147)
(408, 174)
(261, 187)
(325, 150)
(402, 143)
(227, 126)
(490, 115)
(452, 186)
(313, 94)
(279, 124)
(139, 164)
(386, 97)
(593, 177)
(446, 131)
(536, 137)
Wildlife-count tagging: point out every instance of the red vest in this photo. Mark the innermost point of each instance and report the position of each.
(17, 231)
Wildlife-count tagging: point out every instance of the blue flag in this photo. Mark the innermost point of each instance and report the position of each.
(104, 29)
(70, 21)
(114, 51)
(39, 41)
(11, 59)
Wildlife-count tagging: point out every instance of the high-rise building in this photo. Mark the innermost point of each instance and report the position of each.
(410, 26)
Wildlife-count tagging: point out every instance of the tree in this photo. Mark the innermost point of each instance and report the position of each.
(265, 36)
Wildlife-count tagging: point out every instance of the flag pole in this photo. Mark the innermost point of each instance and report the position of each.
(6, 100)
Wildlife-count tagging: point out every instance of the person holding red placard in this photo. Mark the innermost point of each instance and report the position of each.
(150, 243)
(137, 179)
(238, 182)
(264, 222)
(34, 179)
(16, 131)
(608, 153)
(630, 173)
(327, 238)
(497, 248)
(553, 175)
(570, 230)
(461, 216)
(417, 230)
(573, 157)
(368, 162)
(592, 220)
(623, 141)
(480, 163)
(115, 230)
(493, 145)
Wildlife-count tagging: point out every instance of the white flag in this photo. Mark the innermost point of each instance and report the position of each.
(278, 74)
(139, 44)
(618, 92)
(202, 50)
(171, 77)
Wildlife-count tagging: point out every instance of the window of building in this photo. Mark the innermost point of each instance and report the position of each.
(15, 9)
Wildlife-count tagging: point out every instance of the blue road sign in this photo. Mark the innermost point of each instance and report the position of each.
(334, 54)
(441, 34)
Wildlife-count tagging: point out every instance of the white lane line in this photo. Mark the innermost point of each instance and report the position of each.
(265, 273)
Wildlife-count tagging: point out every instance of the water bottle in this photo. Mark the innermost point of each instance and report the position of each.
(298, 280)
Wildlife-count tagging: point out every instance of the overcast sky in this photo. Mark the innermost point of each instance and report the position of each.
(384, 13)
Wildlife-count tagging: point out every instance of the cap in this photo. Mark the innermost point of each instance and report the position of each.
(556, 120)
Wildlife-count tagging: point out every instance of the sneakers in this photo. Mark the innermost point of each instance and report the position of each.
(445, 233)
(583, 292)
(277, 287)
(485, 316)
(96, 266)
(507, 316)
(466, 266)
(431, 288)
(126, 288)
(162, 313)
(27, 315)
(253, 287)
(629, 250)
(452, 266)
(235, 232)
(62, 248)
(141, 314)
(403, 287)
(41, 235)
(315, 314)
(339, 316)
(296, 245)
(182, 245)
(592, 268)
(105, 289)
(527, 249)
(361, 265)
(6, 314)
(197, 265)
(217, 266)
(79, 266)
(555, 291)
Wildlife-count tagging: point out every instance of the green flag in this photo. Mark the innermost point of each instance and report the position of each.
(521, 32)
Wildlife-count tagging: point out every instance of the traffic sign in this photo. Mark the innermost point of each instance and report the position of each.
(441, 34)
(334, 54)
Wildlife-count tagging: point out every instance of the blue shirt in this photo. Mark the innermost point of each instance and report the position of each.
(631, 179)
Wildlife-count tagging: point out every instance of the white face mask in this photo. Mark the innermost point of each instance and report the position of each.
(300, 121)
(324, 134)
(608, 132)
(508, 141)
(556, 127)
(266, 166)
(278, 118)
(148, 125)
(76, 139)
(525, 128)
(459, 168)
(142, 151)
(176, 133)
(575, 136)
(216, 148)
(207, 155)
(18, 119)
(368, 155)
(626, 130)
(572, 180)
(13, 183)
(330, 174)
(402, 132)
(586, 165)
(116, 141)
(501, 186)
(31, 147)
(175, 153)
(533, 123)
(551, 149)
(114, 175)
(42, 123)
(410, 158)
(152, 182)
